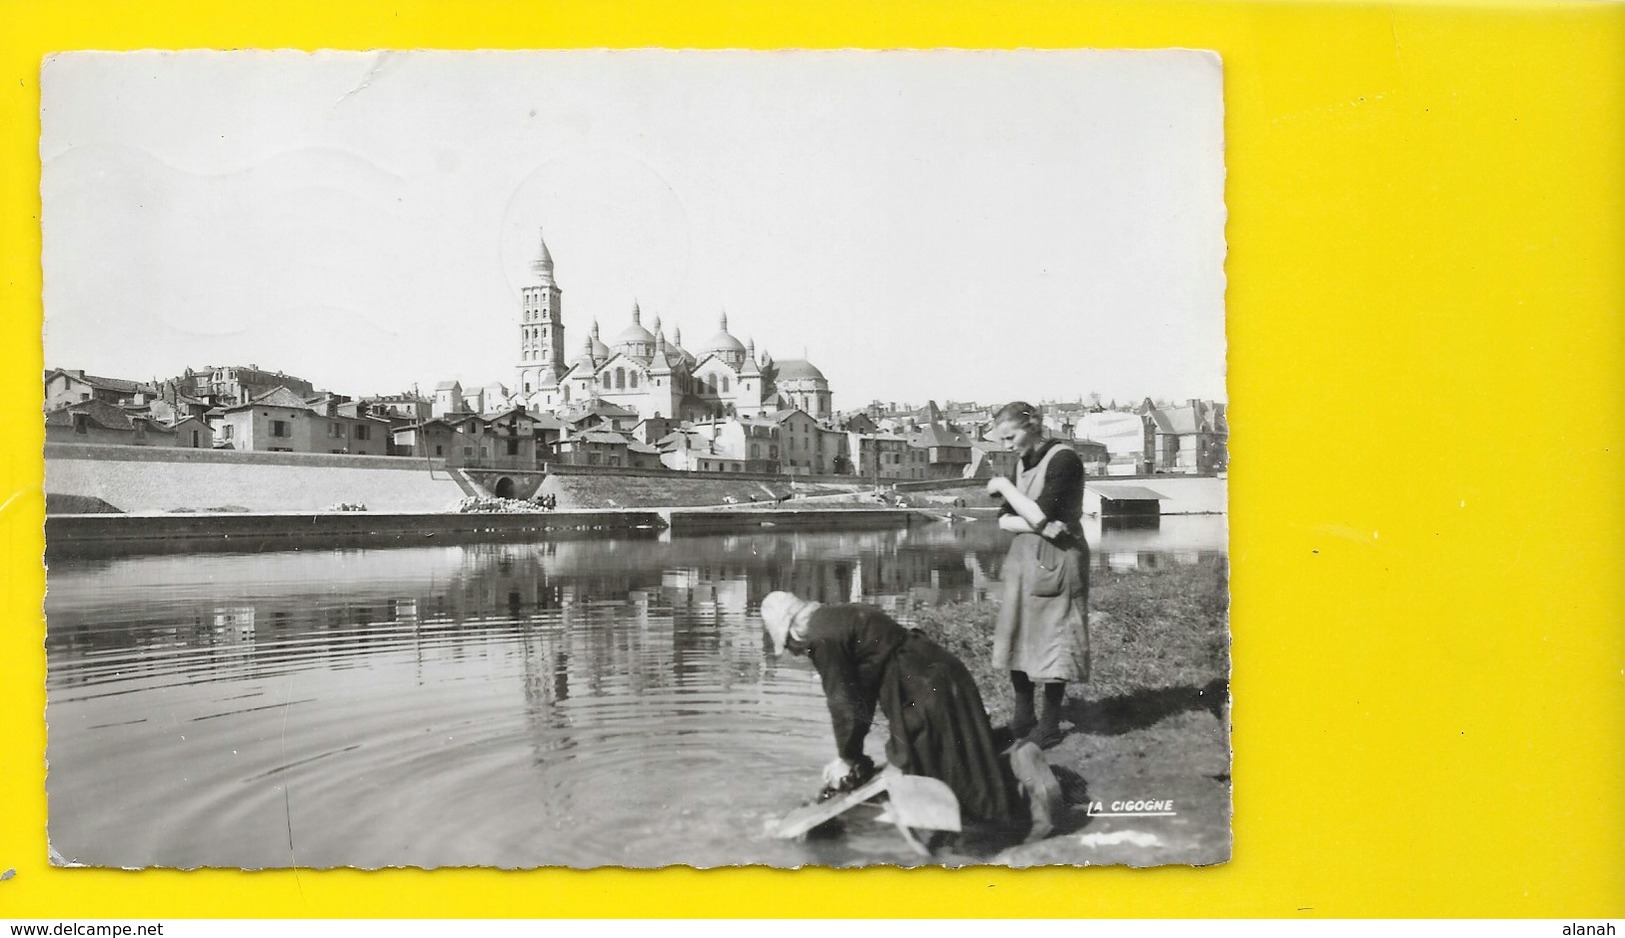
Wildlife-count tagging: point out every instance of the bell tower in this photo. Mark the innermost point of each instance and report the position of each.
(541, 327)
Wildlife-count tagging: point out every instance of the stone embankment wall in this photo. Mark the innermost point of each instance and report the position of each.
(138, 479)
(1182, 495)
(150, 480)
(673, 490)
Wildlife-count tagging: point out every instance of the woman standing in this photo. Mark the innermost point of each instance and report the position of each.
(938, 726)
(1042, 634)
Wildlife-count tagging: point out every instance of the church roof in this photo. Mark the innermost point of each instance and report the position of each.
(798, 369)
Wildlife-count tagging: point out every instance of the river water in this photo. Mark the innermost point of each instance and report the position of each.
(574, 702)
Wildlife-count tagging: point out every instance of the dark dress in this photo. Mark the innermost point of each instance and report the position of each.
(939, 727)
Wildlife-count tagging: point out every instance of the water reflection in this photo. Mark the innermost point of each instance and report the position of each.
(515, 704)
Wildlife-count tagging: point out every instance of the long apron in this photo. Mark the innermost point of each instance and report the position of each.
(1045, 636)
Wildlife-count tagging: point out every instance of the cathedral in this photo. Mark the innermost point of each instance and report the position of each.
(643, 370)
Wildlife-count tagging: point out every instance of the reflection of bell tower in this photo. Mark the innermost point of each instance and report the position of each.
(541, 328)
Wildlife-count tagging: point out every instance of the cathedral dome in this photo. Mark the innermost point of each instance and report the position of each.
(683, 355)
(635, 333)
(724, 340)
(798, 369)
(600, 351)
(589, 357)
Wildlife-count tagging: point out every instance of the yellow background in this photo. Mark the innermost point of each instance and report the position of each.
(1427, 385)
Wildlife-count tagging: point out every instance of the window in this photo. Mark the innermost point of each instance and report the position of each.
(439, 450)
(279, 428)
(513, 447)
(227, 431)
(634, 379)
(195, 439)
(361, 431)
(620, 378)
(468, 451)
(725, 385)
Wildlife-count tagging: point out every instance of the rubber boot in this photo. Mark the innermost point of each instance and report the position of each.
(1024, 719)
(1048, 732)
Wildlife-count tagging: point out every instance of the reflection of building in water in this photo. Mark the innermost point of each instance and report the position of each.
(573, 617)
(234, 625)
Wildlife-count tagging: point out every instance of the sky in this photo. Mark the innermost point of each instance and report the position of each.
(920, 225)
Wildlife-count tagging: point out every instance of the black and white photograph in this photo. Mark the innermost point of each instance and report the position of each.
(635, 458)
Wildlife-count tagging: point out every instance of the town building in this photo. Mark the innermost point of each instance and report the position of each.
(431, 439)
(278, 421)
(754, 441)
(193, 433)
(94, 421)
(229, 385)
(989, 460)
(693, 451)
(64, 387)
(512, 439)
(448, 400)
(409, 407)
(882, 457)
(1095, 456)
(281, 421)
(594, 448)
(946, 451)
(1189, 439)
(1128, 439)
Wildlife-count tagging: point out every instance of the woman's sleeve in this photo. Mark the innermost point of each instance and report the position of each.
(851, 708)
(1061, 480)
